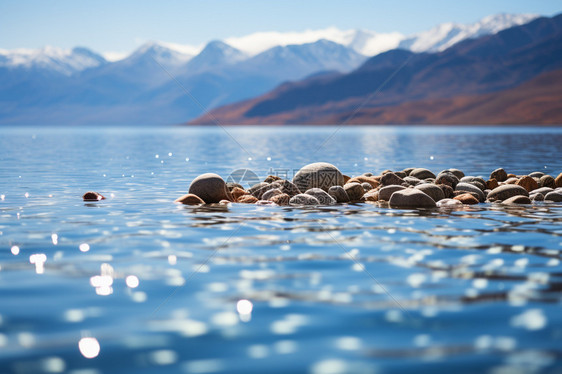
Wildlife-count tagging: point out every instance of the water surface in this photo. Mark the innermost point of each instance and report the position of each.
(351, 288)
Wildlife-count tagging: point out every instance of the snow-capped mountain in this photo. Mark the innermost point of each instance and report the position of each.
(298, 61)
(160, 52)
(63, 61)
(446, 35)
(370, 43)
(138, 89)
(216, 53)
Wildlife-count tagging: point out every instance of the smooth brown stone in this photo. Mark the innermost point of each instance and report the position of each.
(528, 183)
(211, 188)
(558, 180)
(237, 192)
(448, 191)
(433, 191)
(372, 195)
(346, 178)
(92, 196)
(271, 178)
(467, 198)
(518, 199)
(354, 190)
(511, 180)
(492, 183)
(391, 179)
(362, 179)
(282, 199)
(247, 199)
(189, 199)
(270, 193)
(422, 173)
(553, 196)
(411, 198)
(386, 192)
(506, 191)
(547, 181)
(499, 174)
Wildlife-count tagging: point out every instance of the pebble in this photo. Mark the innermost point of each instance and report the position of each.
(422, 173)
(372, 195)
(338, 193)
(92, 196)
(411, 198)
(318, 175)
(432, 190)
(267, 195)
(211, 188)
(499, 174)
(555, 196)
(468, 187)
(354, 190)
(492, 183)
(547, 181)
(391, 179)
(528, 183)
(386, 192)
(506, 191)
(321, 195)
(236, 192)
(518, 199)
(467, 198)
(189, 199)
(448, 203)
(364, 179)
(281, 199)
(410, 188)
(304, 199)
(536, 196)
(247, 199)
(448, 178)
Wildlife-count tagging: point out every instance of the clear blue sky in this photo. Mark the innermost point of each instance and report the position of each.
(120, 25)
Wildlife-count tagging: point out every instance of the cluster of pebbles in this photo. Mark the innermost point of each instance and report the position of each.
(323, 184)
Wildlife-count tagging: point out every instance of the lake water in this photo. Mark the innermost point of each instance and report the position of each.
(143, 285)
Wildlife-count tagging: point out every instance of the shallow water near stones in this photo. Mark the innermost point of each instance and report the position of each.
(164, 288)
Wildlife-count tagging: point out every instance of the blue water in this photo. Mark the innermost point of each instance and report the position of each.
(345, 289)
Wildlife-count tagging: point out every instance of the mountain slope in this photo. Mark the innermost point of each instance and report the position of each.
(488, 64)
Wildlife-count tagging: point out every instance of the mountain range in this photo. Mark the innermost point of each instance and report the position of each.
(513, 76)
(161, 84)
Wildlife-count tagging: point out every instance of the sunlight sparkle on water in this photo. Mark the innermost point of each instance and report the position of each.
(55, 239)
(84, 247)
(15, 250)
(244, 306)
(39, 260)
(132, 281)
(89, 347)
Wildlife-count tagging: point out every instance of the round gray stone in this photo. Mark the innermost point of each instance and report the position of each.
(468, 187)
(411, 198)
(499, 174)
(338, 193)
(354, 190)
(433, 191)
(318, 175)
(321, 195)
(506, 191)
(390, 179)
(553, 196)
(386, 192)
(303, 199)
(422, 173)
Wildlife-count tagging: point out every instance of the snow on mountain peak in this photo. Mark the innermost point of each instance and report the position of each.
(64, 61)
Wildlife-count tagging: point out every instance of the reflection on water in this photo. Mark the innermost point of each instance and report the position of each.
(136, 283)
